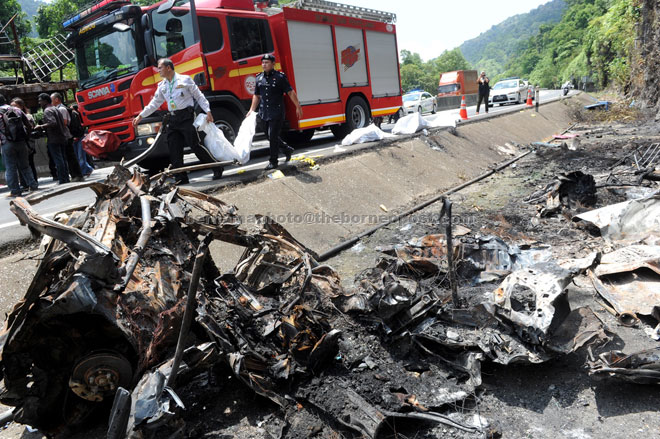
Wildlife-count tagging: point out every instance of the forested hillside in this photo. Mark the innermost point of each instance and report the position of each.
(30, 8)
(492, 50)
(593, 40)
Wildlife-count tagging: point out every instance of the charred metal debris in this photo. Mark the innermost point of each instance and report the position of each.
(126, 308)
(626, 275)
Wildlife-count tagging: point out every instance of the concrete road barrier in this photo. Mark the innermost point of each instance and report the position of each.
(454, 102)
(350, 193)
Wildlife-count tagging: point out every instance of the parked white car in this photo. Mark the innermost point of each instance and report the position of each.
(510, 90)
(420, 102)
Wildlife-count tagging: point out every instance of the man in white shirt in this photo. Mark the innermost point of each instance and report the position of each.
(180, 93)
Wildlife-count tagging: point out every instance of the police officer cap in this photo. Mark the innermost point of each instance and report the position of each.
(268, 57)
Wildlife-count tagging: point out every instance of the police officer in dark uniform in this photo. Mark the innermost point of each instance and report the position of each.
(269, 97)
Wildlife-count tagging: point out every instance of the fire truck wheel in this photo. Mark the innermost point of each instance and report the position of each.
(299, 137)
(357, 116)
(227, 121)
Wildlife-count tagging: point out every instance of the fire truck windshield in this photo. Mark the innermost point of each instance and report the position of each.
(106, 56)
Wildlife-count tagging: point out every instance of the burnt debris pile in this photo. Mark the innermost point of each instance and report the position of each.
(127, 309)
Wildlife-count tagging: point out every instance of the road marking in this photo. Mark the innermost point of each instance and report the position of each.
(50, 215)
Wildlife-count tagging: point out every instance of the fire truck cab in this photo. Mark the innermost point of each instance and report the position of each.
(342, 61)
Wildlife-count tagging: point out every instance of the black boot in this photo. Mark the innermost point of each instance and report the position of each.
(217, 173)
(287, 153)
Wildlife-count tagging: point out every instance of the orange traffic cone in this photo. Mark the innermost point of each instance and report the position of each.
(463, 112)
(529, 98)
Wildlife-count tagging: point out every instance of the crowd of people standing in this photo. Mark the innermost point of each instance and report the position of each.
(64, 131)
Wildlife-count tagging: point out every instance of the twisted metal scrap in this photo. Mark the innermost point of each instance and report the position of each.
(112, 279)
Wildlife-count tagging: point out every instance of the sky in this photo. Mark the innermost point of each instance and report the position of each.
(429, 27)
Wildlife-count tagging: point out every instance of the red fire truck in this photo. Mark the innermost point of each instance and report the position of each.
(342, 61)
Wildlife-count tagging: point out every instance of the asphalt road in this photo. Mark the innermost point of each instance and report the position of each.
(12, 231)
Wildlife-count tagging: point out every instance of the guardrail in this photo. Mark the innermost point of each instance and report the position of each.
(454, 102)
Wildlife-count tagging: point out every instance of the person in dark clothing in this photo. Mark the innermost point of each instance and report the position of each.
(14, 149)
(56, 138)
(269, 97)
(20, 104)
(69, 153)
(78, 132)
(484, 91)
(180, 93)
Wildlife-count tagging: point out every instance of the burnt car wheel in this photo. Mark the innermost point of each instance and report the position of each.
(97, 376)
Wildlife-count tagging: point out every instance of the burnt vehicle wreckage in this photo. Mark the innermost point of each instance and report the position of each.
(126, 307)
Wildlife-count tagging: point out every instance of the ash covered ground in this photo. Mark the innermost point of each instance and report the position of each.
(556, 398)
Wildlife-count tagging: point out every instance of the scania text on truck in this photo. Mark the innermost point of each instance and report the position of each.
(342, 61)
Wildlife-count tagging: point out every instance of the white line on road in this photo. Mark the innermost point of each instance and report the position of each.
(50, 215)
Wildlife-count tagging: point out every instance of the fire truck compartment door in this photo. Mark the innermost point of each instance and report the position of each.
(350, 53)
(383, 64)
(312, 53)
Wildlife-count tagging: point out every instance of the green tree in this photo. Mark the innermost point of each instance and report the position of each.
(451, 60)
(7, 10)
(610, 40)
(50, 16)
(417, 74)
(594, 39)
(408, 57)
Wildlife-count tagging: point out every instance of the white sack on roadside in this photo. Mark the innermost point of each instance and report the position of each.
(444, 119)
(414, 122)
(215, 141)
(243, 142)
(366, 134)
(410, 124)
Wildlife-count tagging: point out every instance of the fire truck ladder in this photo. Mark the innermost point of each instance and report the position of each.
(347, 10)
(48, 57)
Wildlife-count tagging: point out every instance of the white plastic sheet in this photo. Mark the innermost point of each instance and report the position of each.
(443, 119)
(243, 142)
(410, 124)
(414, 122)
(215, 141)
(366, 134)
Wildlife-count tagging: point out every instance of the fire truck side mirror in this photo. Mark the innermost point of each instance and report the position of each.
(146, 23)
(165, 7)
(121, 27)
(149, 57)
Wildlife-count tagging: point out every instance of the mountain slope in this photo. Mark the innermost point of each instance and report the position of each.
(30, 7)
(492, 49)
